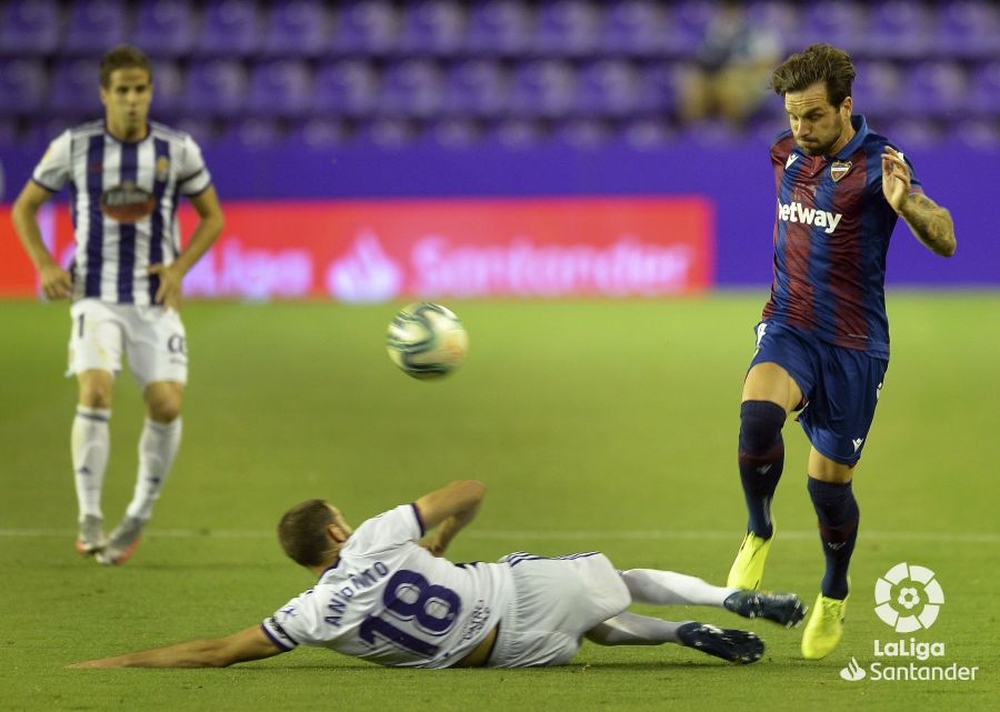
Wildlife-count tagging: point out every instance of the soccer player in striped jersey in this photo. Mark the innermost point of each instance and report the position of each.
(385, 594)
(126, 176)
(823, 341)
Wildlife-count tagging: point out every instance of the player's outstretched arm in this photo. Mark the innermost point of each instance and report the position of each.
(931, 223)
(249, 644)
(449, 509)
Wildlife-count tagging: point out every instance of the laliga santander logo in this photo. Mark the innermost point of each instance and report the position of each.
(908, 598)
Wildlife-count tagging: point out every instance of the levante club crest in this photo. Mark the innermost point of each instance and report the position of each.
(839, 169)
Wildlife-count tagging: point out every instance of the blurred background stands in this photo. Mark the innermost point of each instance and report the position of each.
(521, 71)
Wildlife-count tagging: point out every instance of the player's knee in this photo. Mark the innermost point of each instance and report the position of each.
(95, 389)
(163, 403)
(760, 426)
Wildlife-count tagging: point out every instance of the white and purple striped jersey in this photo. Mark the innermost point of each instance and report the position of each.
(390, 601)
(123, 200)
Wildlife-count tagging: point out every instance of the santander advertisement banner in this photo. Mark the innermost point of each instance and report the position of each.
(378, 250)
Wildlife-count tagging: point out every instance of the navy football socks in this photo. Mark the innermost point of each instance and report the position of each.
(761, 460)
(838, 530)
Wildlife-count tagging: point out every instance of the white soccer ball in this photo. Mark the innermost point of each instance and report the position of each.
(426, 340)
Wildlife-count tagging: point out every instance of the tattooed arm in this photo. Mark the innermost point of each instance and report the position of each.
(931, 223)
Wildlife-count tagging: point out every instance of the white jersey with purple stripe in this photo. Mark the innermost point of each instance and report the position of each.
(123, 199)
(390, 601)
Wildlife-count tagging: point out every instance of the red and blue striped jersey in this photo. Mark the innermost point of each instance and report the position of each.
(123, 200)
(831, 236)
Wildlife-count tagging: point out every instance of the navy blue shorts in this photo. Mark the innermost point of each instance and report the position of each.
(840, 387)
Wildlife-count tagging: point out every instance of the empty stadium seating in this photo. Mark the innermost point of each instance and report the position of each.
(458, 71)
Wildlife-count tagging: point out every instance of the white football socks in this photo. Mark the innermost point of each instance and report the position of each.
(90, 447)
(632, 629)
(667, 588)
(158, 446)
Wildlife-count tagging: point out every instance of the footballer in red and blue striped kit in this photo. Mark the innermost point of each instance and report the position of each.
(823, 340)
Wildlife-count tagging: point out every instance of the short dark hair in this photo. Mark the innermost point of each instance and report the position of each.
(817, 63)
(124, 57)
(302, 532)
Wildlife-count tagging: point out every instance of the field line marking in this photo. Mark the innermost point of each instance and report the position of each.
(513, 535)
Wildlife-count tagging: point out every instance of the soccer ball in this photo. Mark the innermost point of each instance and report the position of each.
(426, 340)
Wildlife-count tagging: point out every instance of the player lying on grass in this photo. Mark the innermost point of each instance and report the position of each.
(388, 597)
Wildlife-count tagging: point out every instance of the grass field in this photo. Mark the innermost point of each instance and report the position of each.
(608, 425)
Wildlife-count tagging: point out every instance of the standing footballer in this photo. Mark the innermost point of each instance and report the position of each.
(823, 341)
(125, 176)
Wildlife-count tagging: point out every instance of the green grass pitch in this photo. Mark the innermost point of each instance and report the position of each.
(595, 424)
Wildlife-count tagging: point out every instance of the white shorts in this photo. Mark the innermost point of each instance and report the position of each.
(555, 602)
(152, 338)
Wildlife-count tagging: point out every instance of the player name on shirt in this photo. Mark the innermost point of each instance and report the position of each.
(356, 581)
(796, 212)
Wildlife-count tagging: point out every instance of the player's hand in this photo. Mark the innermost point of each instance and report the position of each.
(56, 282)
(169, 293)
(895, 178)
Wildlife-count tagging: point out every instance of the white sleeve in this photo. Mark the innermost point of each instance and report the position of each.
(192, 174)
(54, 169)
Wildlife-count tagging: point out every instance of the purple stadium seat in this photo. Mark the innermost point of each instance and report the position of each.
(689, 22)
(164, 28)
(23, 87)
(911, 132)
(436, 27)
(608, 88)
(582, 133)
(345, 88)
(967, 29)
(781, 18)
(386, 134)
(168, 88)
(898, 29)
(841, 23)
(95, 26)
(215, 88)
(659, 86)
(229, 29)
(202, 129)
(280, 88)
(476, 88)
(452, 134)
(30, 27)
(297, 28)
(878, 87)
(544, 88)
(566, 28)
(646, 134)
(366, 27)
(319, 133)
(516, 133)
(412, 88)
(984, 98)
(981, 133)
(936, 89)
(634, 28)
(252, 133)
(74, 90)
(499, 27)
